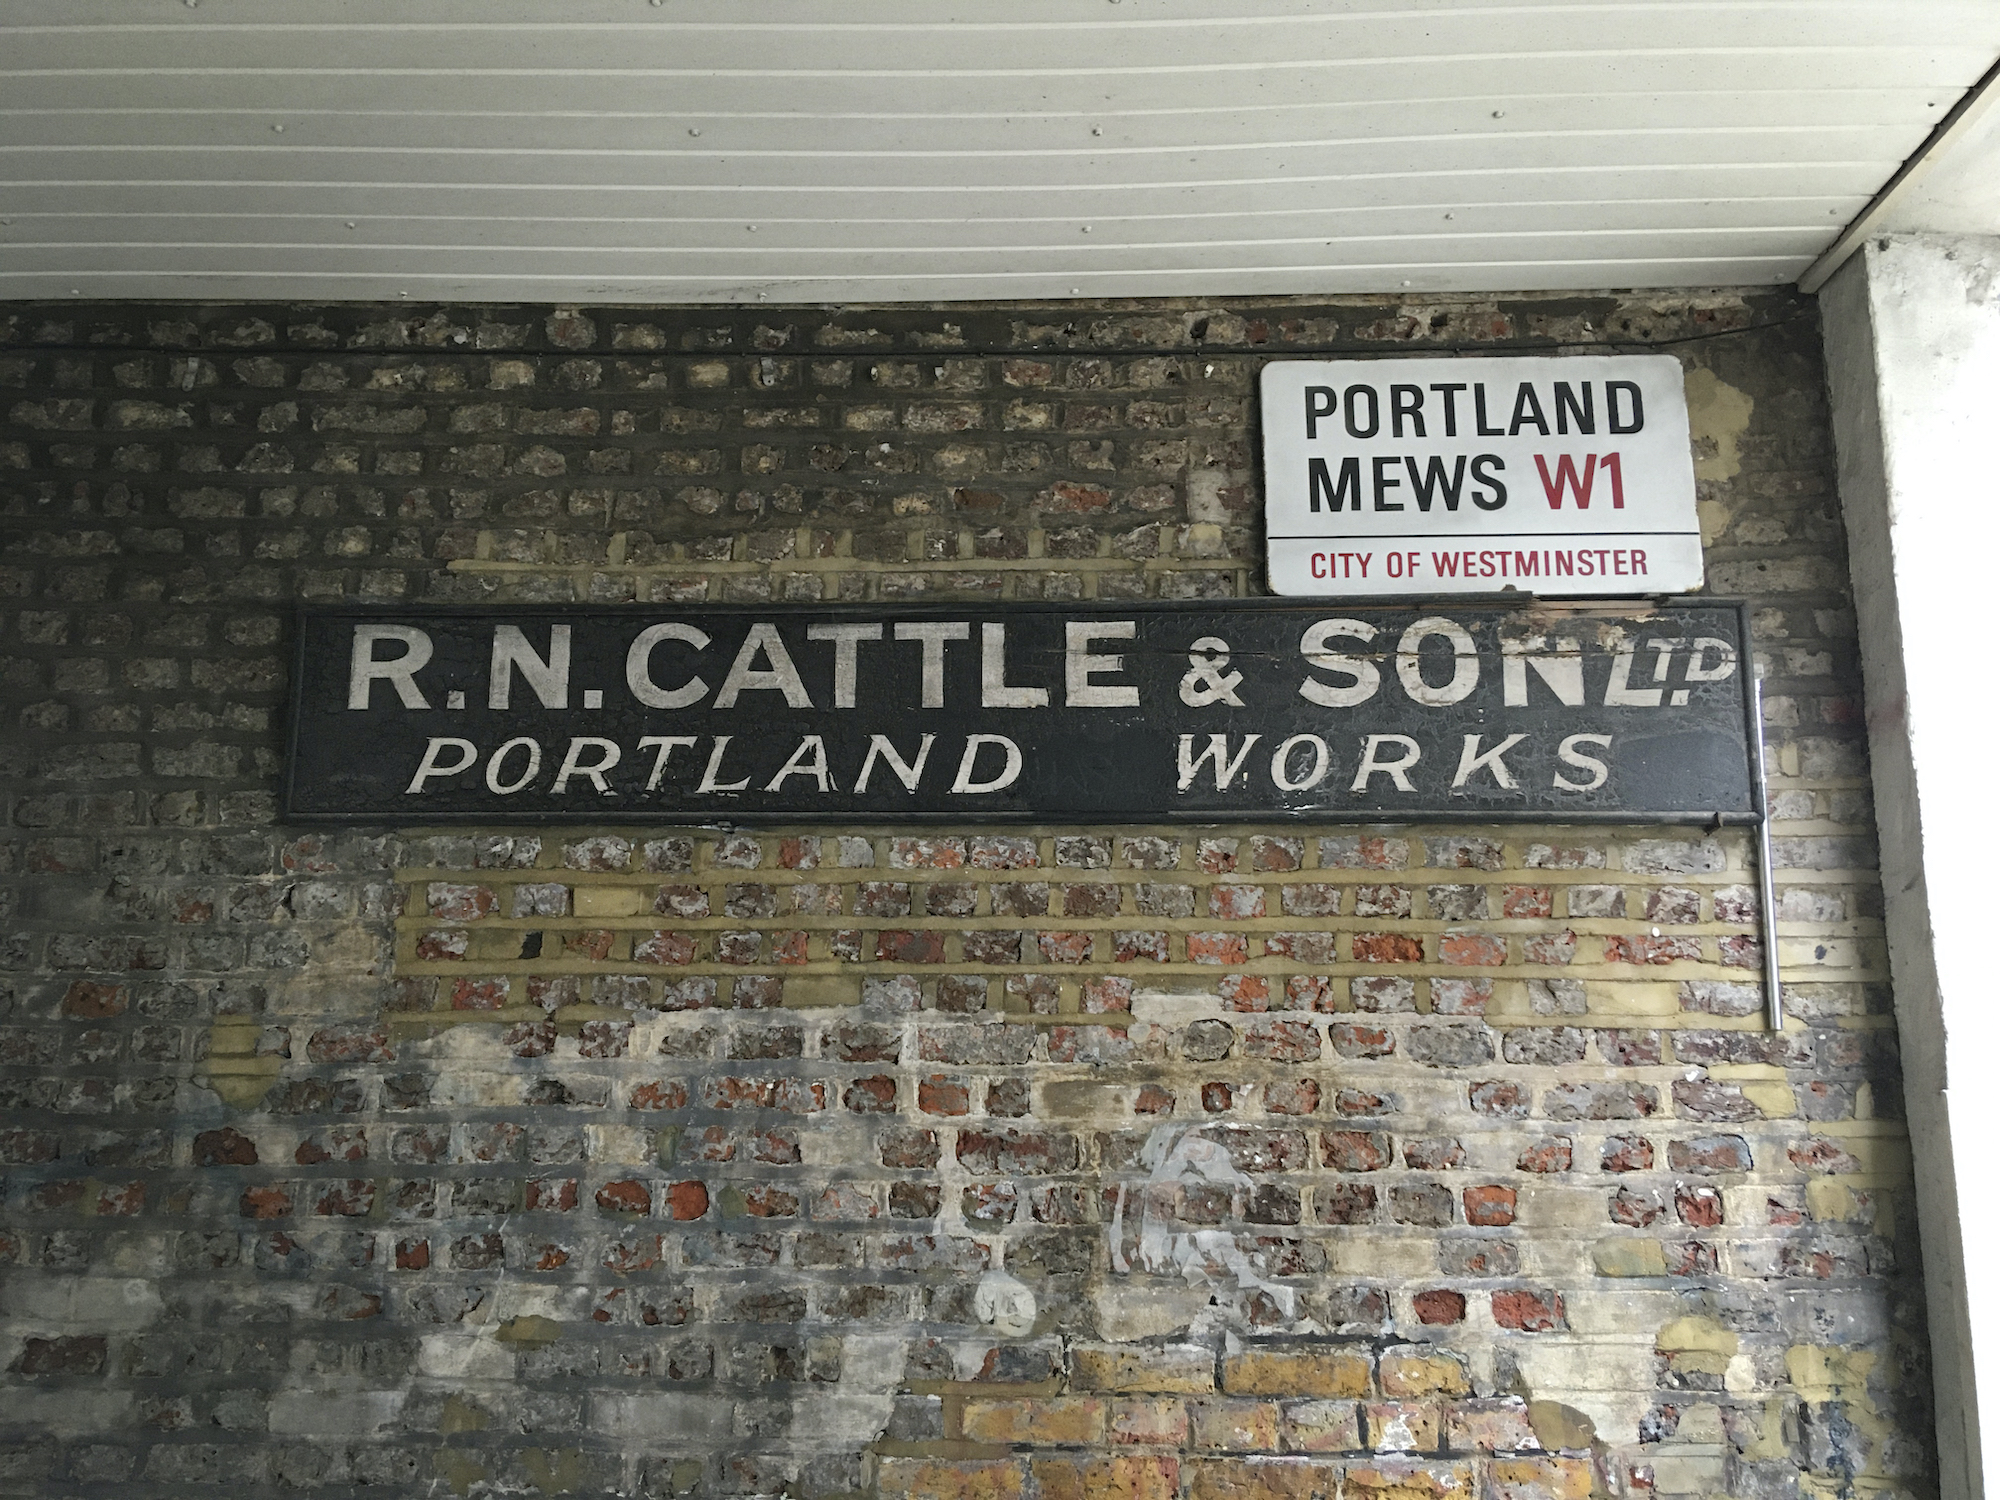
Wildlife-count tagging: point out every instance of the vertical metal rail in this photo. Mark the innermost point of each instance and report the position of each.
(1767, 896)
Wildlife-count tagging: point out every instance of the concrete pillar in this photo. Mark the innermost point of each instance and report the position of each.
(1913, 359)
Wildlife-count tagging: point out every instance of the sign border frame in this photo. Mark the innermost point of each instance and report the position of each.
(1746, 678)
(1264, 439)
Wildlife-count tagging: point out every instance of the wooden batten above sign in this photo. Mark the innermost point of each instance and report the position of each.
(1409, 477)
(1047, 712)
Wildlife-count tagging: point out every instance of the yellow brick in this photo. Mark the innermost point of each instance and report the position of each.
(1151, 1421)
(1829, 1199)
(1263, 1479)
(1234, 1424)
(1055, 1419)
(1698, 1345)
(1621, 998)
(1134, 1478)
(1176, 1370)
(1696, 1334)
(1543, 1478)
(941, 1479)
(1305, 1372)
(1824, 1374)
(1403, 1426)
(1414, 1373)
(1625, 1255)
(608, 901)
(1409, 1480)
(1321, 1426)
(1775, 1100)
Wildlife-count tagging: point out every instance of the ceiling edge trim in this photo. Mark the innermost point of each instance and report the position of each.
(1981, 97)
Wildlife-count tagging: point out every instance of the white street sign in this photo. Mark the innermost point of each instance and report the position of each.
(1554, 476)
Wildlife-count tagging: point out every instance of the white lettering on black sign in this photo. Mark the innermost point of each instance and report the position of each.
(1018, 711)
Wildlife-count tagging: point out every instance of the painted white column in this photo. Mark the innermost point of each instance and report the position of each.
(1913, 364)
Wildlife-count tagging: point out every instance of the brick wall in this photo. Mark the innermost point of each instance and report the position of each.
(1152, 1162)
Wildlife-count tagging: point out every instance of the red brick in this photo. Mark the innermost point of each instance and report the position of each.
(1062, 947)
(550, 1194)
(1249, 993)
(1636, 1210)
(1067, 498)
(1546, 1156)
(530, 1038)
(667, 1093)
(1698, 1205)
(48, 1197)
(1346, 1203)
(1236, 902)
(1382, 901)
(664, 947)
(86, 1000)
(121, 1200)
(1016, 1151)
(1153, 1100)
(1471, 949)
(270, 1201)
(443, 946)
(1110, 994)
(686, 1200)
(770, 1203)
(906, 1148)
(460, 903)
(1440, 1305)
(625, 1196)
(939, 1095)
(1353, 1039)
(1304, 947)
(1641, 949)
(1131, 947)
(1530, 1311)
(73, 1354)
(1709, 1154)
(335, 1143)
(1387, 948)
(224, 1147)
(1433, 1154)
(1549, 948)
(29, 1147)
(349, 1044)
(1217, 948)
(1527, 901)
(875, 1095)
(1356, 1150)
(1277, 1040)
(1297, 1098)
(1627, 1153)
(1489, 1207)
(353, 1199)
(898, 947)
(479, 994)
(927, 854)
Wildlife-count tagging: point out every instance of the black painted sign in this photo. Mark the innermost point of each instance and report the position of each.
(1087, 712)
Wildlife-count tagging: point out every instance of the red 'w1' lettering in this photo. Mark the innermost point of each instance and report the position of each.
(1566, 478)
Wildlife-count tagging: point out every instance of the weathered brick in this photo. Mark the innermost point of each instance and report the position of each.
(742, 1077)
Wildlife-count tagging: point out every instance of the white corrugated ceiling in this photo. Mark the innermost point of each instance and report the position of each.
(689, 150)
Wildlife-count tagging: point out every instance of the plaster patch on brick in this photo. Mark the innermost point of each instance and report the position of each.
(1718, 419)
(1198, 1256)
